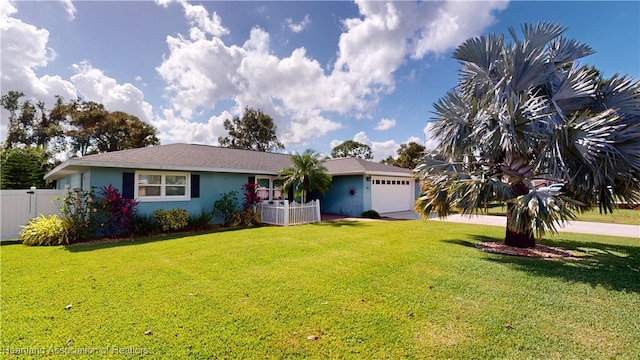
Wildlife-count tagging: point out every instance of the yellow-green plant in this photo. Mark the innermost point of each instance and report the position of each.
(172, 220)
(46, 230)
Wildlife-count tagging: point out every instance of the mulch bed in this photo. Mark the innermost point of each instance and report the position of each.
(539, 251)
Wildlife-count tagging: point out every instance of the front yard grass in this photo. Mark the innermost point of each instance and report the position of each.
(348, 290)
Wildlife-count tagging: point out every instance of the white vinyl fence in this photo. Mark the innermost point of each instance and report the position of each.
(284, 213)
(18, 206)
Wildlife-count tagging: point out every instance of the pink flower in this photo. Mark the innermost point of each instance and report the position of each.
(89, 200)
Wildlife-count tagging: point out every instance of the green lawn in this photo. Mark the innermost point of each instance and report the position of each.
(344, 290)
(619, 216)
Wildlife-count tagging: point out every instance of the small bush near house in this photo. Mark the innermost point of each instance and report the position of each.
(226, 206)
(81, 212)
(116, 211)
(371, 214)
(49, 230)
(200, 221)
(143, 225)
(245, 218)
(251, 197)
(172, 220)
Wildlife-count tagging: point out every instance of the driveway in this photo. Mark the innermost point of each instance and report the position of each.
(579, 227)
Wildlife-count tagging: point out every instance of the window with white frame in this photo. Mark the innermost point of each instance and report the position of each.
(269, 188)
(277, 193)
(162, 186)
(264, 188)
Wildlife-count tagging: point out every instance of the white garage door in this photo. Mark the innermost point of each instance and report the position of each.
(391, 194)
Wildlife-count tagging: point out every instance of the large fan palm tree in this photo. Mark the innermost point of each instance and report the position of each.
(306, 175)
(524, 109)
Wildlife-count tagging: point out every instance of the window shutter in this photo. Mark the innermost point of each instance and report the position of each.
(251, 180)
(195, 186)
(290, 194)
(128, 180)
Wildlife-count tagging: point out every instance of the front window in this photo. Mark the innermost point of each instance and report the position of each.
(263, 188)
(270, 188)
(277, 190)
(156, 186)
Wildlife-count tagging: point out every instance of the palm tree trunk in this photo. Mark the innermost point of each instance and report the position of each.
(522, 239)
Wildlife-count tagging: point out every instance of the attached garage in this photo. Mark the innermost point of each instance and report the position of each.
(392, 194)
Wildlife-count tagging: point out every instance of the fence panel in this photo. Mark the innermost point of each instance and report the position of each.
(17, 207)
(285, 214)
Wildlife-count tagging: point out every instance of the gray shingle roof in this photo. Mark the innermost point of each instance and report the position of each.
(189, 157)
(358, 166)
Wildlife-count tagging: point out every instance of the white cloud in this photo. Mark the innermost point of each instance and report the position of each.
(385, 124)
(24, 49)
(430, 141)
(298, 27)
(381, 149)
(201, 69)
(94, 85)
(172, 128)
(69, 8)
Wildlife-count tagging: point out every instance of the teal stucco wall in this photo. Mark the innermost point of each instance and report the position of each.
(348, 195)
(212, 186)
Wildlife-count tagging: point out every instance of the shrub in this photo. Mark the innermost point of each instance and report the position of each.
(371, 214)
(200, 221)
(251, 197)
(226, 206)
(116, 211)
(245, 218)
(172, 220)
(46, 230)
(79, 210)
(143, 225)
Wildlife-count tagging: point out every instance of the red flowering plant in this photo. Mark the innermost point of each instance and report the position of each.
(251, 197)
(118, 211)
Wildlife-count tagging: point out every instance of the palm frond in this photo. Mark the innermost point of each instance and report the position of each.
(562, 50)
(543, 212)
(574, 89)
(621, 93)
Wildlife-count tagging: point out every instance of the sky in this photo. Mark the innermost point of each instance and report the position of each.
(325, 71)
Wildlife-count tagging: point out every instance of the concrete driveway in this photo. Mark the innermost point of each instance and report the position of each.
(579, 227)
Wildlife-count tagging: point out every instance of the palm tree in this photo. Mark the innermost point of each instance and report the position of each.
(524, 109)
(306, 174)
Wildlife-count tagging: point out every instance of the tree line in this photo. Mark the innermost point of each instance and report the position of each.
(37, 137)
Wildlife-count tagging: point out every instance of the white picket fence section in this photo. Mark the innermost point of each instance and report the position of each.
(284, 213)
(17, 207)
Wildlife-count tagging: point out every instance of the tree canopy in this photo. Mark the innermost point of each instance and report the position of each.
(525, 108)
(409, 156)
(24, 167)
(35, 136)
(76, 127)
(254, 131)
(352, 149)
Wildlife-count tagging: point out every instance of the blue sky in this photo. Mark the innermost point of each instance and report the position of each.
(325, 71)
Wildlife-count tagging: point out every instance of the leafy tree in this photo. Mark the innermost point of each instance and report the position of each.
(29, 124)
(85, 116)
(23, 167)
(120, 131)
(83, 127)
(524, 108)
(409, 156)
(306, 175)
(255, 131)
(352, 149)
